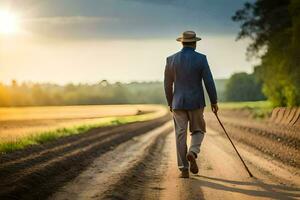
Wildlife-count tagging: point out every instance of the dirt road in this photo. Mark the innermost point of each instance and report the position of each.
(152, 174)
(222, 175)
(140, 163)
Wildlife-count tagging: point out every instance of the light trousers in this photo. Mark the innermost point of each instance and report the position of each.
(195, 120)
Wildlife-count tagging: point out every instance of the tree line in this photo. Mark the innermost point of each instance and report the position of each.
(240, 87)
(101, 93)
(41, 94)
(243, 87)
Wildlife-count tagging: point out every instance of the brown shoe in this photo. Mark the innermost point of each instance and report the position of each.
(193, 164)
(184, 174)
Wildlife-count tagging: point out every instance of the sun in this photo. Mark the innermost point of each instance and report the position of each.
(9, 22)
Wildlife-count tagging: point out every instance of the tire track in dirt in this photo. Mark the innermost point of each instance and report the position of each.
(142, 181)
(283, 135)
(282, 145)
(51, 153)
(133, 170)
(9, 167)
(41, 173)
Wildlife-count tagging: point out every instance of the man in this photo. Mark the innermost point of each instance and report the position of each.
(185, 71)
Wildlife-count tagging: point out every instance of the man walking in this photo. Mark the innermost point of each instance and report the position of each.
(184, 73)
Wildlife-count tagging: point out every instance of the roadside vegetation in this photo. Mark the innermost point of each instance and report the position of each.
(257, 109)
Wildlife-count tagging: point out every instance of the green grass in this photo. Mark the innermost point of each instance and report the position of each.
(43, 137)
(258, 109)
(246, 104)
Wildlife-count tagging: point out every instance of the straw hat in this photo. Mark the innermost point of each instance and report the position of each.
(188, 36)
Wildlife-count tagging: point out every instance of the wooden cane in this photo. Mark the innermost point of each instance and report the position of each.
(250, 174)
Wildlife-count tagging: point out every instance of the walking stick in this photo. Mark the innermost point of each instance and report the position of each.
(250, 174)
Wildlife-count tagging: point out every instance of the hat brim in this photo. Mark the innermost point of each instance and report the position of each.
(181, 39)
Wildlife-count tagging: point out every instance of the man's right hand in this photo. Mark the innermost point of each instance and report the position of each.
(214, 108)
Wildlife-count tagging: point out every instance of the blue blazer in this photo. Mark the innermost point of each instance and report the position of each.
(184, 73)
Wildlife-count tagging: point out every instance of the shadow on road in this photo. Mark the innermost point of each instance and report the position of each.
(250, 187)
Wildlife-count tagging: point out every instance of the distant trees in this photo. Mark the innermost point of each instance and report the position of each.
(274, 28)
(39, 94)
(34, 94)
(243, 87)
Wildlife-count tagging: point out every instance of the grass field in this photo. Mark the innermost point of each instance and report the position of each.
(246, 104)
(21, 127)
(258, 109)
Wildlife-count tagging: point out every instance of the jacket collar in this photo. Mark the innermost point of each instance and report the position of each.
(188, 49)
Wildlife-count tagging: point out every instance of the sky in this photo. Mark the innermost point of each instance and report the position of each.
(62, 41)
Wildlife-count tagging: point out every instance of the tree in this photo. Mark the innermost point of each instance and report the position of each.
(243, 87)
(273, 27)
(5, 96)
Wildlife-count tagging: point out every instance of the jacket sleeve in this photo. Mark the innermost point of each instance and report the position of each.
(168, 83)
(209, 83)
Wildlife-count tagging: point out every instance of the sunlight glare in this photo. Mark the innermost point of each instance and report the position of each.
(9, 22)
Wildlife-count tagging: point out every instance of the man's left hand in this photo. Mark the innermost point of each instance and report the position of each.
(215, 108)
